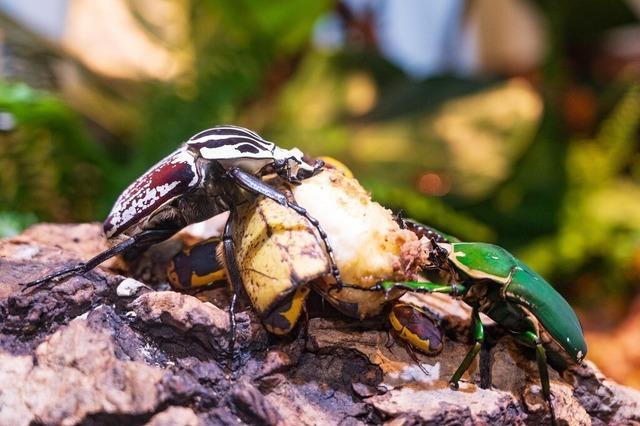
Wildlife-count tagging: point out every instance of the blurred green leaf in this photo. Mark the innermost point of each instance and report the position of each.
(12, 223)
(49, 165)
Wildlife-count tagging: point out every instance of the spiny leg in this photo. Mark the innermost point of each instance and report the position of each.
(256, 186)
(412, 354)
(233, 274)
(335, 271)
(478, 336)
(484, 366)
(139, 241)
(530, 338)
(419, 287)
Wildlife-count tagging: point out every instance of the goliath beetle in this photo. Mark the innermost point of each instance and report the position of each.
(215, 171)
(492, 281)
(281, 259)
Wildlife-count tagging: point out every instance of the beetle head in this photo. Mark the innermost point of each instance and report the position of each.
(290, 165)
(168, 179)
(233, 146)
(438, 255)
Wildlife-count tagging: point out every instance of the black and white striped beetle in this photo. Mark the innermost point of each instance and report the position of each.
(213, 172)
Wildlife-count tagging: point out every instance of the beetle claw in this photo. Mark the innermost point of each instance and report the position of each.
(55, 277)
(34, 285)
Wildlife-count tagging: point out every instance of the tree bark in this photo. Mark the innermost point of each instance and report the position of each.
(96, 350)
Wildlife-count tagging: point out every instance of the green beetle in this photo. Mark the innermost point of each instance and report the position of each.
(492, 281)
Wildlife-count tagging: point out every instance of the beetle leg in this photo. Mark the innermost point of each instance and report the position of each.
(233, 273)
(412, 354)
(530, 338)
(478, 335)
(390, 340)
(141, 240)
(256, 186)
(305, 319)
(196, 266)
(454, 289)
(422, 230)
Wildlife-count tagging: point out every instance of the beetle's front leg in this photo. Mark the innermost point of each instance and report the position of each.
(453, 289)
(139, 241)
(256, 186)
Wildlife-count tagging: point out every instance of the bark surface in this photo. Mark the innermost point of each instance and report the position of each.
(99, 349)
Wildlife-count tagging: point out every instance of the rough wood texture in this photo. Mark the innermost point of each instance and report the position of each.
(90, 352)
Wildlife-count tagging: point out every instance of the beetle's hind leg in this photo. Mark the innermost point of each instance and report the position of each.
(531, 338)
(233, 274)
(199, 266)
(478, 336)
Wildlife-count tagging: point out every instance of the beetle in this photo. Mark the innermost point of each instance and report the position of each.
(199, 266)
(281, 261)
(492, 281)
(216, 170)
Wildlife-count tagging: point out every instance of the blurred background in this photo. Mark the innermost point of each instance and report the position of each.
(509, 121)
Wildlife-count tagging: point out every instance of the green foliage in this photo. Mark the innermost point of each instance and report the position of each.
(231, 62)
(438, 213)
(48, 164)
(599, 221)
(12, 223)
